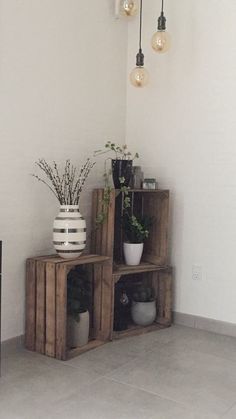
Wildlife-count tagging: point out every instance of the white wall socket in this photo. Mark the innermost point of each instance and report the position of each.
(196, 273)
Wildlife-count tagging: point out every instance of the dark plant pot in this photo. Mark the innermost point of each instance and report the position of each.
(121, 168)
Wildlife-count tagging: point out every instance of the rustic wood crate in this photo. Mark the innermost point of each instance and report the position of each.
(46, 304)
(108, 238)
(161, 280)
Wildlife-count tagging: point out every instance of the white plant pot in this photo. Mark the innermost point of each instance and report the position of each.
(133, 253)
(78, 332)
(69, 232)
(143, 314)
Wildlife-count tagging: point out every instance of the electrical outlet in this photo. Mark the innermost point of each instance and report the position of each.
(196, 273)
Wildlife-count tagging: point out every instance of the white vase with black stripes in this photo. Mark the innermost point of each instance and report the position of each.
(69, 232)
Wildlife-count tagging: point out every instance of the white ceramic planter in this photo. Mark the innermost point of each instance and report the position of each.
(143, 314)
(78, 332)
(133, 253)
(69, 232)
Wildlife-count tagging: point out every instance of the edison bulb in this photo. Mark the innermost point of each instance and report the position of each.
(139, 77)
(161, 41)
(128, 8)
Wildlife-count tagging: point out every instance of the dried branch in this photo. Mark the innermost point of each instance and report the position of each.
(67, 187)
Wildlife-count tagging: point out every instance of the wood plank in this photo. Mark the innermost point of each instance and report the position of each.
(164, 230)
(40, 307)
(61, 310)
(167, 279)
(109, 245)
(84, 260)
(30, 316)
(50, 345)
(134, 330)
(80, 350)
(97, 300)
(143, 267)
(107, 299)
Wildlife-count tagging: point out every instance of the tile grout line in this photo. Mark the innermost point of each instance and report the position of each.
(187, 406)
(228, 410)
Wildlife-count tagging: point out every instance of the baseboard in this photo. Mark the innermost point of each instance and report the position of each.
(11, 345)
(203, 323)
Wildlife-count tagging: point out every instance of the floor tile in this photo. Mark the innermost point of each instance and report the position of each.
(120, 352)
(231, 414)
(106, 399)
(176, 373)
(184, 375)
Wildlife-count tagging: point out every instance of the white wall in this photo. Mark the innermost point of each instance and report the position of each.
(62, 95)
(184, 126)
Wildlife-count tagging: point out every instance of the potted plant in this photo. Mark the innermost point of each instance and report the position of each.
(143, 309)
(136, 230)
(69, 228)
(78, 302)
(121, 164)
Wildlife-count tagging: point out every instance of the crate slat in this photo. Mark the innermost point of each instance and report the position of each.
(30, 318)
(40, 307)
(50, 346)
(61, 308)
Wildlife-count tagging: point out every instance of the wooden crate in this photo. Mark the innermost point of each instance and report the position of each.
(108, 238)
(46, 304)
(161, 280)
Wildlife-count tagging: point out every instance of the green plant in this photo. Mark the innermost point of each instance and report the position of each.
(143, 294)
(78, 292)
(66, 185)
(136, 230)
(121, 151)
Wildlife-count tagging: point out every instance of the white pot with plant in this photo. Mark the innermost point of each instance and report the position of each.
(78, 302)
(136, 230)
(143, 309)
(69, 228)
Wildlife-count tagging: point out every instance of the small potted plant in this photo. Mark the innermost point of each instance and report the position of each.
(136, 230)
(78, 302)
(121, 164)
(143, 309)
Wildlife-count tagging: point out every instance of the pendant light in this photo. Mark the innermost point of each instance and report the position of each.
(128, 8)
(139, 75)
(161, 39)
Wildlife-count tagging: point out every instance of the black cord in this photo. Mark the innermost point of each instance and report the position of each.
(162, 6)
(140, 24)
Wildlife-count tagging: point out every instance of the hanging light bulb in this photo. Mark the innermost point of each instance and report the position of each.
(139, 76)
(128, 8)
(161, 39)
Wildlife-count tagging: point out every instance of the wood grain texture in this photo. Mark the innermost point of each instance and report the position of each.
(107, 299)
(40, 306)
(61, 311)
(109, 247)
(134, 330)
(97, 301)
(30, 309)
(72, 353)
(50, 323)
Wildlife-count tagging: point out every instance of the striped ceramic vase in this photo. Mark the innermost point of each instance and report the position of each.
(69, 232)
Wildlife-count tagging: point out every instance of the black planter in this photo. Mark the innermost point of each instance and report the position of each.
(121, 168)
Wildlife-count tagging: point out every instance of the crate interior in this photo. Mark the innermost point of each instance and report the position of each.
(81, 273)
(126, 286)
(155, 206)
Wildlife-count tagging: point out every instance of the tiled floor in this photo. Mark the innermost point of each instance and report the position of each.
(177, 373)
